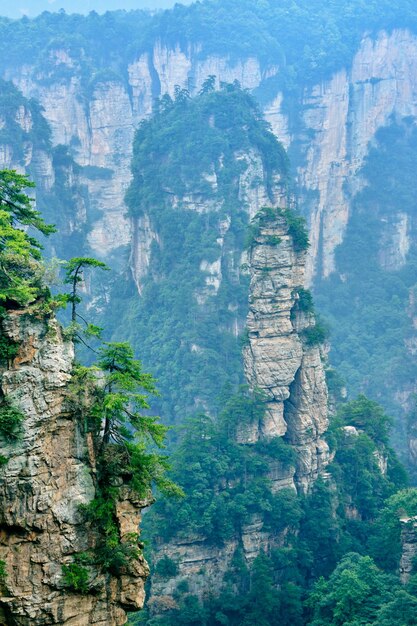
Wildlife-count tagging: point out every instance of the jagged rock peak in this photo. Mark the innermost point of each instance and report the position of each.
(283, 355)
(46, 474)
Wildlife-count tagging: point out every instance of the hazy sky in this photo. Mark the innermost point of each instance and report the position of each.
(17, 8)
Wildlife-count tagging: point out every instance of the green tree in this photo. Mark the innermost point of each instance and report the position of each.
(20, 258)
(401, 611)
(368, 416)
(352, 595)
(74, 270)
(263, 598)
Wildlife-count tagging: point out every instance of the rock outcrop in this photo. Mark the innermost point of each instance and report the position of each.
(409, 547)
(283, 362)
(281, 359)
(50, 471)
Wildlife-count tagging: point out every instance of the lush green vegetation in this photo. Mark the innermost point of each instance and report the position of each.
(11, 420)
(208, 456)
(186, 328)
(76, 577)
(338, 548)
(358, 592)
(369, 308)
(20, 267)
(128, 443)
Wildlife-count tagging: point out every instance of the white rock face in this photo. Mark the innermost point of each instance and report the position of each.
(341, 117)
(101, 127)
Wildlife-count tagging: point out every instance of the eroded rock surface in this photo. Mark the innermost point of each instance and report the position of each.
(279, 359)
(409, 547)
(50, 472)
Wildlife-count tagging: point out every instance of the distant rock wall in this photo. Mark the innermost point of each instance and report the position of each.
(338, 119)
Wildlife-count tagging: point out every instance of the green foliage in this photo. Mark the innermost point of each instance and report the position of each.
(11, 420)
(297, 229)
(208, 457)
(367, 416)
(217, 124)
(8, 350)
(3, 575)
(385, 544)
(76, 577)
(304, 300)
(352, 595)
(128, 446)
(110, 554)
(358, 509)
(74, 271)
(273, 240)
(20, 259)
(315, 335)
(367, 305)
(265, 215)
(166, 567)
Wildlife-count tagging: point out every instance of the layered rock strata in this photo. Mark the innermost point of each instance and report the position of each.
(280, 359)
(50, 471)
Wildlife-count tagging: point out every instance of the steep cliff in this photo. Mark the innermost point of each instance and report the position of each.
(48, 471)
(284, 357)
(283, 363)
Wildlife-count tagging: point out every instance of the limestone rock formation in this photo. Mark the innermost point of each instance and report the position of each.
(409, 547)
(50, 472)
(340, 116)
(279, 359)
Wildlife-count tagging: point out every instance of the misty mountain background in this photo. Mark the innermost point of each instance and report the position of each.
(13, 9)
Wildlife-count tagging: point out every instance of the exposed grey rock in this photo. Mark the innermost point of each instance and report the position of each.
(50, 472)
(277, 359)
(409, 547)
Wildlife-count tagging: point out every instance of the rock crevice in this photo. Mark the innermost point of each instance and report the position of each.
(50, 471)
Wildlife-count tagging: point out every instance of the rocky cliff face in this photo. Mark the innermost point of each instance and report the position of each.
(288, 369)
(50, 471)
(279, 359)
(338, 119)
(409, 547)
(100, 126)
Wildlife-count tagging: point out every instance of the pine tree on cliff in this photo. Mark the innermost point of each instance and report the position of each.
(20, 257)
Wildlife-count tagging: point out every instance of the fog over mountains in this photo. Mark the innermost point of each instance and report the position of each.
(34, 7)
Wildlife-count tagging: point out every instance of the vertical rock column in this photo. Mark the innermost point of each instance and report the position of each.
(280, 358)
(49, 473)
